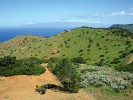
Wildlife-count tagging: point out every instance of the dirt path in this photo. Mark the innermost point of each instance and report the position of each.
(22, 87)
(130, 60)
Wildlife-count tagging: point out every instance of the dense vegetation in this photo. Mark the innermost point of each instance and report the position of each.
(9, 66)
(105, 77)
(126, 68)
(98, 76)
(78, 60)
(67, 73)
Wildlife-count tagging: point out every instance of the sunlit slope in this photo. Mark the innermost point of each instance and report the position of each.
(108, 46)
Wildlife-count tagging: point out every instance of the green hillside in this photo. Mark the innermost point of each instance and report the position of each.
(97, 46)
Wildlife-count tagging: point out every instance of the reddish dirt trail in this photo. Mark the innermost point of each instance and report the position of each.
(130, 60)
(22, 87)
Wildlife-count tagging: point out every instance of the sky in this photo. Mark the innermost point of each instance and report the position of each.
(57, 13)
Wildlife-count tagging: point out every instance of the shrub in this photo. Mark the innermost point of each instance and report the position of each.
(100, 48)
(7, 61)
(65, 42)
(88, 50)
(67, 46)
(91, 41)
(120, 51)
(29, 66)
(66, 72)
(101, 63)
(128, 43)
(97, 44)
(52, 63)
(79, 60)
(123, 55)
(106, 39)
(115, 62)
(81, 50)
(68, 40)
(89, 45)
(125, 68)
(81, 54)
(41, 89)
(101, 56)
(58, 51)
(105, 76)
(102, 36)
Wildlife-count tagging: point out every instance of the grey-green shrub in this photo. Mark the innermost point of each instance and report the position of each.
(105, 76)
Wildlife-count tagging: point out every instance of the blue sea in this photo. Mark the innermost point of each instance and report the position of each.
(9, 33)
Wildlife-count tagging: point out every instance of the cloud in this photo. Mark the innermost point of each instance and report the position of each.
(99, 16)
(85, 16)
(77, 21)
(122, 13)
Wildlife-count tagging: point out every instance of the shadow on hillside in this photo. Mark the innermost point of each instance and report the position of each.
(42, 89)
(53, 86)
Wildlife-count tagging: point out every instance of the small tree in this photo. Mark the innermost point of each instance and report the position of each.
(79, 60)
(67, 73)
(7, 61)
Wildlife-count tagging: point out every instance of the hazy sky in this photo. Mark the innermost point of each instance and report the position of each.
(14, 13)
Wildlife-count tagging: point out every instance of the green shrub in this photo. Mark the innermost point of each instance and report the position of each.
(81, 50)
(29, 66)
(101, 56)
(89, 45)
(52, 63)
(125, 68)
(123, 55)
(97, 45)
(79, 60)
(66, 72)
(102, 36)
(101, 63)
(41, 89)
(7, 61)
(115, 62)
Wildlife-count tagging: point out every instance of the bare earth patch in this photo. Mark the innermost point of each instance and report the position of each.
(22, 87)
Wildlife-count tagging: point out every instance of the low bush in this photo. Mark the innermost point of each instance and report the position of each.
(67, 73)
(7, 61)
(125, 68)
(101, 56)
(101, 63)
(41, 89)
(81, 50)
(106, 77)
(79, 60)
(29, 66)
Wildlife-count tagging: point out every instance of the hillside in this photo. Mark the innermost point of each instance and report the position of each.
(11, 86)
(107, 46)
(123, 26)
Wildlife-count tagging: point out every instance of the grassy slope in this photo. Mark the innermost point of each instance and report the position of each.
(78, 42)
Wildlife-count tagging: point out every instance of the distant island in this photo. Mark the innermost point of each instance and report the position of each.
(123, 26)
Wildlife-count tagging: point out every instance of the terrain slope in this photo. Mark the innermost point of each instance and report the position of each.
(22, 87)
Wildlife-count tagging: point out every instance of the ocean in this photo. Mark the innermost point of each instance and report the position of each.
(9, 33)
